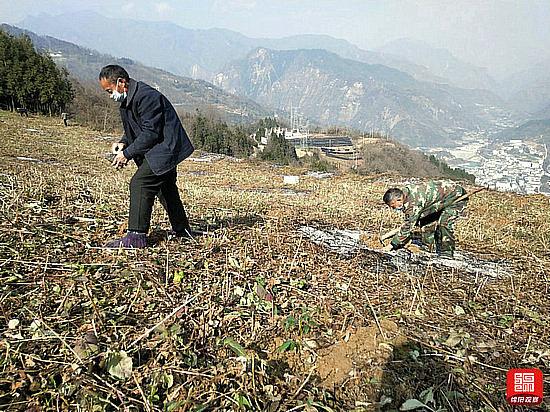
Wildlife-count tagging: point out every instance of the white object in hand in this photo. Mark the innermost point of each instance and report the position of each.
(117, 147)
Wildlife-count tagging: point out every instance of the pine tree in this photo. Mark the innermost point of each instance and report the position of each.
(279, 150)
(30, 79)
(199, 130)
(218, 137)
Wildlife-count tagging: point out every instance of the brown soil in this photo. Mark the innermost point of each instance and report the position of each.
(372, 241)
(361, 352)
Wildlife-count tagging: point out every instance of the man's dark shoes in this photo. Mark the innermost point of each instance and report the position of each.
(132, 240)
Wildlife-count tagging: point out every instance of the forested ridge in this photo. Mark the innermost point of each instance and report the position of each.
(29, 79)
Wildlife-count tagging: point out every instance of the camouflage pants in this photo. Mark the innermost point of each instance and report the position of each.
(437, 230)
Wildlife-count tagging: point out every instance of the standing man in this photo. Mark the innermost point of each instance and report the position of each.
(155, 139)
(432, 206)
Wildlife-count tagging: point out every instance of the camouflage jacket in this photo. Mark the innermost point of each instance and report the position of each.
(423, 200)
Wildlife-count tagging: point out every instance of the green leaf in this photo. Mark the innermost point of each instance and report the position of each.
(453, 395)
(411, 404)
(168, 380)
(290, 322)
(174, 405)
(119, 365)
(428, 395)
(242, 400)
(178, 276)
(459, 311)
(234, 346)
(288, 345)
(414, 354)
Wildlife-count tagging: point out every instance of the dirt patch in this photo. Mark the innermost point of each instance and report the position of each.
(370, 240)
(361, 353)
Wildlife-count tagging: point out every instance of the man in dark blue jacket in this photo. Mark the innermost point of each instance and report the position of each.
(157, 142)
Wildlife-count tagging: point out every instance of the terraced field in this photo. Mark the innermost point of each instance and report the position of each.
(253, 315)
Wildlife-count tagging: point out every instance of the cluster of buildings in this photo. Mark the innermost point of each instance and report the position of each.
(515, 166)
(288, 134)
(511, 165)
(521, 166)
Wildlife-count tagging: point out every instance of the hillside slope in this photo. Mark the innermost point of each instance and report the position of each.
(189, 94)
(533, 129)
(529, 90)
(251, 315)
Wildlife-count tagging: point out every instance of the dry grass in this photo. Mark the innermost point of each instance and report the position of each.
(245, 316)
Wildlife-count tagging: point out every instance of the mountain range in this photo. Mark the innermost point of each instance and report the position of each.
(529, 90)
(441, 62)
(531, 130)
(422, 95)
(84, 64)
(334, 90)
(203, 53)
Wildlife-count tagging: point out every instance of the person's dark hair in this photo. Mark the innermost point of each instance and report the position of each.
(391, 194)
(113, 72)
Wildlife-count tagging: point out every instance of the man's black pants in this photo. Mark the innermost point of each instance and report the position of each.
(144, 187)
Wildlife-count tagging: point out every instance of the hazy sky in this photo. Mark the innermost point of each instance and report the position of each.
(498, 34)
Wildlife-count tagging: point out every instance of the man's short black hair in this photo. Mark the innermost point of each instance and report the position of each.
(392, 194)
(113, 72)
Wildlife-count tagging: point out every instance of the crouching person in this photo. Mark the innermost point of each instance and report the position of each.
(434, 208)
(156, 141)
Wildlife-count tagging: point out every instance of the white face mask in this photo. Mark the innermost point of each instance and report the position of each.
(116, 95)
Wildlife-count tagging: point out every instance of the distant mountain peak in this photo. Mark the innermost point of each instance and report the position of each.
(203, 53)
(332, 90)
(441, 62)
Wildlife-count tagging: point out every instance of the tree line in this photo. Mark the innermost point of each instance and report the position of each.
(279, 150)
(91, 107)
(31, 80)
(394, 157)
(216, 136)
(211, 134)
(452, 172)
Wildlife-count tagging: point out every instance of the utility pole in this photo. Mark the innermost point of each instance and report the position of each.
(291, 118)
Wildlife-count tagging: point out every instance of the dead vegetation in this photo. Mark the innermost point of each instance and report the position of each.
(388, 156)
(252, 316)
